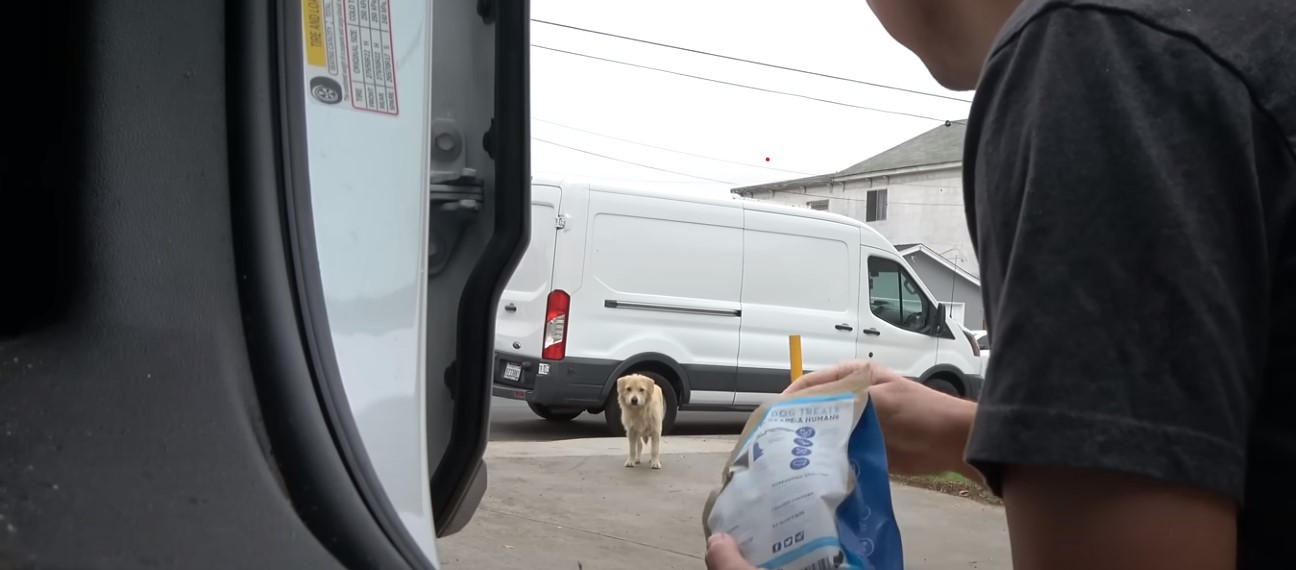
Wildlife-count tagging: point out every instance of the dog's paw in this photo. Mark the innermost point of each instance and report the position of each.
(655, 464)
(638, 461)
(630, 463)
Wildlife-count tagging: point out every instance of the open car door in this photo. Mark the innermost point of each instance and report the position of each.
(250, 252)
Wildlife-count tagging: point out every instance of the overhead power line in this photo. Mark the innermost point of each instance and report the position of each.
(752, 62)
(744, 86)
(641, 165)
(556, 174)
(671, 149)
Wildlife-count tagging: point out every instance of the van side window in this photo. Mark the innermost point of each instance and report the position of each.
(894, 296)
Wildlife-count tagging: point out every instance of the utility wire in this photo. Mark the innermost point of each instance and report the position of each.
(630, 162)
(749, 61)
(800, 193)
(558, 174)
(658, 69)
(670, 149)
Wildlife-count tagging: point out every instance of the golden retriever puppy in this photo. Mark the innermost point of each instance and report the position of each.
(640, 400)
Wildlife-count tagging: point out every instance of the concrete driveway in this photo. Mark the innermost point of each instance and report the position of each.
(512, 420)
(570, 504)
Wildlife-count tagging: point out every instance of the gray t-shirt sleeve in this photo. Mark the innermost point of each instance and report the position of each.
(1117, 214)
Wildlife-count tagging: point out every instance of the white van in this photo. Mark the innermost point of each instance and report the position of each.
(701, 295)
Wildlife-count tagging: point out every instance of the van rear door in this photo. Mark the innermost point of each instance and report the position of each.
(520, 319)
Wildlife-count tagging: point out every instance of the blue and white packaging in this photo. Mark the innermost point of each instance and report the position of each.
(806, 488)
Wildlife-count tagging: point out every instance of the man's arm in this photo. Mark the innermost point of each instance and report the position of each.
(1119, 225)
(1063, 518)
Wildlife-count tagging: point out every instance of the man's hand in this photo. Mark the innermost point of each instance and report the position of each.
(722, 554)
(925, 431)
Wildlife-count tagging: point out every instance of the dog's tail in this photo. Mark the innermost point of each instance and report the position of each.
(645, 438)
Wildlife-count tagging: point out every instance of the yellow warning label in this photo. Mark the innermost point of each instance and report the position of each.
(313, 32)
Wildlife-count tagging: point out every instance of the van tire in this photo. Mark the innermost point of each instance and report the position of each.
(550, 415)
(612, 410)
(943, 386)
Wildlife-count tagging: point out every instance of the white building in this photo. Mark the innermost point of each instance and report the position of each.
(912, 194)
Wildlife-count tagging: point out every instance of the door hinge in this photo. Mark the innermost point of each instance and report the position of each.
(560, 222)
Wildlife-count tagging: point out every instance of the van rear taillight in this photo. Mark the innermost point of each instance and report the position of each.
(555, 330)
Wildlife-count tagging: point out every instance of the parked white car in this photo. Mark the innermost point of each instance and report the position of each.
(983, 343)
(701, 294)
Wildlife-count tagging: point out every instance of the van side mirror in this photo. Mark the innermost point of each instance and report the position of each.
(936, 324)
(943, 329)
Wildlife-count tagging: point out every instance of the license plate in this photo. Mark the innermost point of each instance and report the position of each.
(512, 371)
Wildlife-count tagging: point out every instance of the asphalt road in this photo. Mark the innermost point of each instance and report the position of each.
(512, 420)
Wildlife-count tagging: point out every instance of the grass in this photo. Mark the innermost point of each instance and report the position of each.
(950, 484)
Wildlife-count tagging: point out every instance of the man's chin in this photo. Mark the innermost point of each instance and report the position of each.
(954, 77)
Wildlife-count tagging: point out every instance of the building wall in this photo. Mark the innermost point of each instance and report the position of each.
(950, 288)
(923, 207)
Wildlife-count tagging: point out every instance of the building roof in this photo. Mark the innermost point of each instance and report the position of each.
(941, 145)
(907, 249)
(788, 184)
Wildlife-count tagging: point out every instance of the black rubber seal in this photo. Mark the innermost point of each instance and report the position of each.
(469, 377)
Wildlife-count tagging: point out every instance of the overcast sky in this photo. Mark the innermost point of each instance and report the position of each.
(573, 97)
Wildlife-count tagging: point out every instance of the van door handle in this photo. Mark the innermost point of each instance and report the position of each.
(845, 327)
(510, 308)
(872, 332)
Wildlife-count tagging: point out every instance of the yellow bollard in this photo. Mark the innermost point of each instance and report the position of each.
(794, 346)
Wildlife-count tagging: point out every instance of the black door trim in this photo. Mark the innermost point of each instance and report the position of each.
(469, 377)
(635, 306)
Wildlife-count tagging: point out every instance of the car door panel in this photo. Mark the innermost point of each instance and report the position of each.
(884, 308)
(799, 278)
(178, 378)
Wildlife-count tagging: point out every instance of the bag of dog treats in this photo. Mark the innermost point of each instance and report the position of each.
(806, 488)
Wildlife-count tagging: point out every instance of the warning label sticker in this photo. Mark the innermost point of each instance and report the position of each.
(348, 52)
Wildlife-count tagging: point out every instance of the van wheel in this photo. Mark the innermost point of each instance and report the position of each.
(551, 415)
(612, 410)
(943, 386)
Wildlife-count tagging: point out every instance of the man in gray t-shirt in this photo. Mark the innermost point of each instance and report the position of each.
(1130, 184)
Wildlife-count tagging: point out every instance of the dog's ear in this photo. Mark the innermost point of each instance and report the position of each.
(621, 383)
